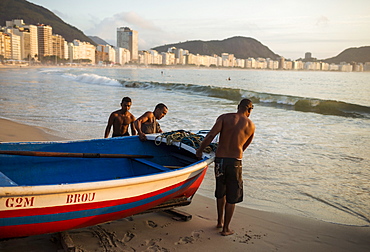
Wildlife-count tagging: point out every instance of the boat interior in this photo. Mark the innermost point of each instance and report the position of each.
(18, 170)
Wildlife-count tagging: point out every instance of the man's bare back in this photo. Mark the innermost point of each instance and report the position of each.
(236, 129)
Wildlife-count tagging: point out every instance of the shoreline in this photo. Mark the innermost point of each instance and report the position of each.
(255, 230)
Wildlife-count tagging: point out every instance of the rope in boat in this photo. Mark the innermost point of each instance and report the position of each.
(185, 137)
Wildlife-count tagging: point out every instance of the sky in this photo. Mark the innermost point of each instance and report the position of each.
(289, 28)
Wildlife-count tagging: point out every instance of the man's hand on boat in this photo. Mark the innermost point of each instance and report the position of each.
(199, 154)
(142, 137)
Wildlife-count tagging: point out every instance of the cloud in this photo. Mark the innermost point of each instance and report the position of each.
(107, 28)
(322, 21)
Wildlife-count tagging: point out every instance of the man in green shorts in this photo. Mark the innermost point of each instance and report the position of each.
(236, 133)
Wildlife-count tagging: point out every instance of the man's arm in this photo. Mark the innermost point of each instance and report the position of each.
(133, 131)
(109, 125)
(210, 136)
(249, 140)
(142, 119)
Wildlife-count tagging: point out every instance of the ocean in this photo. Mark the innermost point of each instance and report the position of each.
(310, 155)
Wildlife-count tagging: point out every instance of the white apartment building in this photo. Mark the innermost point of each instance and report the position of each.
(324, 66)
(29, 37)
(168, 58)
(156, 57)
(123, 56)
(15, 45)
(78, 50)
(250, 63)
(127, 38)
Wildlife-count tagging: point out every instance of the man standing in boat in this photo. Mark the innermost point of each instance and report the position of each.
(236, 133)
(120, 120)
(147, 123)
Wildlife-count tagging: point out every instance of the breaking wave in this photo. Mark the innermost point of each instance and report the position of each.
(303, 104)
(93, 79)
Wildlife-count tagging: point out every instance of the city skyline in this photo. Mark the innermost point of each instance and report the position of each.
(324, 28)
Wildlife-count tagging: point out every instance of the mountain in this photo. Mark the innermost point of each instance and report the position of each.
(34, 14)
(98, 40)
(241, 47)
(356, 54)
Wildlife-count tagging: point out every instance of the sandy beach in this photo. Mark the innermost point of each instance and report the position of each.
(254, 230)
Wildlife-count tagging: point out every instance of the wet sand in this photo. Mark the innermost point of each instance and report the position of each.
(254, 230)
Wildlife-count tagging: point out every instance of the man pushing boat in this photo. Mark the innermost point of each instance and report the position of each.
(236, 133)
(147, 123)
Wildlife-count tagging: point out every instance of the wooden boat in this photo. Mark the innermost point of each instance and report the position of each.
(47, 187)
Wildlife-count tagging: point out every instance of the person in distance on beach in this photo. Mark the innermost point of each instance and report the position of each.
(236, 133)
(147, 123)
(121, 120)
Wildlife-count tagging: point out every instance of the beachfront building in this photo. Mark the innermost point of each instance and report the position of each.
(313, 66)
(324, 66)
(345, 67)
(101, 56)
(81, 52)
(261, 63)
(168, 58)
(298, 65)
(228, 60)
(5, 45)
(127, 38)
(15, 45)
(123, 56)
(273, 64)
(156, 57)
(288, 65)
(44, 34)
(367, 66)
(250, 63)
(58, 43)
(28, 37)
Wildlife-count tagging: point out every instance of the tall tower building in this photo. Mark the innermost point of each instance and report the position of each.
(45, 33)
(127, 38)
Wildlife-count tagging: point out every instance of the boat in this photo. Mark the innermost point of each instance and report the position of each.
(48, 187)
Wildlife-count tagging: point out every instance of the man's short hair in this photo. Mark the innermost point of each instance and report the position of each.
(160, 106)
(247, 104)
(126, 99)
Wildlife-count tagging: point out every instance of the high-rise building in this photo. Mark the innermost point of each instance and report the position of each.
(58, 46)
(28, 36)
(45, 33)
(127, 38)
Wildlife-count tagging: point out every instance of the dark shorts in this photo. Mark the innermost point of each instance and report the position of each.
(229, 181)
(126, 134)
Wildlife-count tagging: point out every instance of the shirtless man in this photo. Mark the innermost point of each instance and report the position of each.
(236, 133)
(120, 120)
(147, 123)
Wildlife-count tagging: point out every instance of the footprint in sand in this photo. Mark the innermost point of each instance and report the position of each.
(128, 236)
(151, 224)
(190, 239)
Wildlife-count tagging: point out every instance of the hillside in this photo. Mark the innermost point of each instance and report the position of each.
(356, 54)
(34, 14)
(98, 40)
(241, 47)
